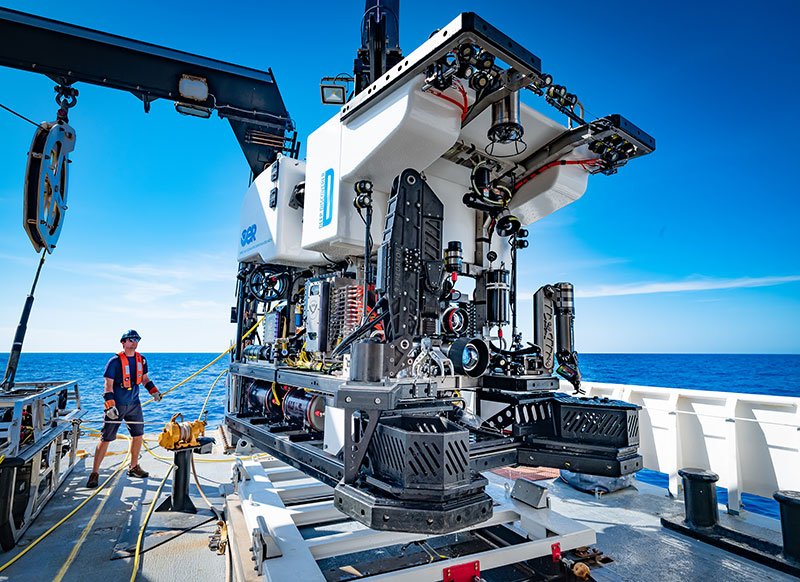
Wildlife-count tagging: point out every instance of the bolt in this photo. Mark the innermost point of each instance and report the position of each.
(348, 399)
(377, 401)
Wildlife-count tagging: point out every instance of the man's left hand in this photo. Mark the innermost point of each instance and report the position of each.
(157, 396)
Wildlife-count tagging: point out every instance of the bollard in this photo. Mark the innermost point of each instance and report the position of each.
(700, 497)
(790, 522)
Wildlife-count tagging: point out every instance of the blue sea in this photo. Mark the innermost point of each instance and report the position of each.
(749, 373)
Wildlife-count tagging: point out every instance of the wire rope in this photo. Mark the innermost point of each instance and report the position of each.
(144, 525)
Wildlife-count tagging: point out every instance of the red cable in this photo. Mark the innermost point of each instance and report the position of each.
(463, 107)
(582, 163)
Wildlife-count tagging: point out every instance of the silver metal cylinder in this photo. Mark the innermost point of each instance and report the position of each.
(505, 126)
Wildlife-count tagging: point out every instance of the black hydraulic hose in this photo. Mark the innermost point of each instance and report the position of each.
(513, 291)
(366, 326)
(349, 340)
(529, 351)
(367, 256)
(240, 304)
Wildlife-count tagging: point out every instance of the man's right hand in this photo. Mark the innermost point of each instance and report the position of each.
(111, 407)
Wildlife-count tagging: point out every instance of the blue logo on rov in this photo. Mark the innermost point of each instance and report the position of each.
(248, 235)
(326, 208)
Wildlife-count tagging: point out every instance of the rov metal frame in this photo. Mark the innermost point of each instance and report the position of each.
(293, 529)
(32, 469)
(570, 434)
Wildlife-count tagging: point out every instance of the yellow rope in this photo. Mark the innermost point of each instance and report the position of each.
(202, 410)
(71, 558)
(70, 514)
(144, 525)
(212, 362)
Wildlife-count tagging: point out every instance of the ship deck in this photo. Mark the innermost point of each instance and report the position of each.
(627, 523)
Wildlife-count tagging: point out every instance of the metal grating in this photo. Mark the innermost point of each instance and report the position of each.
(593, 422)
(426, 453)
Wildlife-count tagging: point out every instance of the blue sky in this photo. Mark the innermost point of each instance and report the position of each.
(691, 249)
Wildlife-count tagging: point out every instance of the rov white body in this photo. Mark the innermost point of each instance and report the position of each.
(406, 128)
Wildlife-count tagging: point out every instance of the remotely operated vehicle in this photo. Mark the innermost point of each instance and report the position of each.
(381, 271)
(382, 274)
(379, 275)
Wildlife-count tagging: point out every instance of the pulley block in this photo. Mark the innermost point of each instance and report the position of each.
(46, 183)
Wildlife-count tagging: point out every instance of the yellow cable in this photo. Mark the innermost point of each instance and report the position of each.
(214, 361)
(149, 450)
(62, 572)
(70, 514)
(144, 525)
(209, 394)
(275, 394)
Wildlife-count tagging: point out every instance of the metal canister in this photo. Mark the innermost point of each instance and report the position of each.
(497, 297)
(366, 361)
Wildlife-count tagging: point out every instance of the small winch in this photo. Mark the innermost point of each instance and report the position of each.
(179, 435)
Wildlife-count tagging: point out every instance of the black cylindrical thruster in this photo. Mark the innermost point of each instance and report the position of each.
(497, 297)
(700, 497)
(261, 398)
(256, 352)
(366, 361)
(308, 408)
(790, 522)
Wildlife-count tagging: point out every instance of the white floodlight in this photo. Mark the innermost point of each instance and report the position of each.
(195, 88)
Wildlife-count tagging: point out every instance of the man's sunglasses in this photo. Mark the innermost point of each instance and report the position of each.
(131, 339)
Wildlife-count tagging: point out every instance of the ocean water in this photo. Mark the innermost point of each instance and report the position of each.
(749, 373)
(165, 370)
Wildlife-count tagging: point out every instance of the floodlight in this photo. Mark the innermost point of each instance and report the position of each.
(332, 94)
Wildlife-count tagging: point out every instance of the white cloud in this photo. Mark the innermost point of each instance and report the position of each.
(204, 268)
(141, 292)
(705, 284)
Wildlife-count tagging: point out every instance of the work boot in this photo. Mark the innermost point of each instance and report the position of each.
(137, 471)
(93, 479)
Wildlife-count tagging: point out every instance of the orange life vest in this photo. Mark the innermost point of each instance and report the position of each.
(126, 369)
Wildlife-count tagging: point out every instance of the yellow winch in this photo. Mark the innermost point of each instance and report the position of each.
(179, 435)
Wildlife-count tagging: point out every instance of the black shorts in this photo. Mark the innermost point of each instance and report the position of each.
(132, 415)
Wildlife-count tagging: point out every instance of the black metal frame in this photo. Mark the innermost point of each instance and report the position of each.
(249, 99)
(466, 27)
(369, 498)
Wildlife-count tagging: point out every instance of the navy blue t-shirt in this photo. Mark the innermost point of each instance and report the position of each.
(123, 396)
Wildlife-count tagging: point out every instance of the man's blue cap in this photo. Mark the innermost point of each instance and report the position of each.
(130, 334)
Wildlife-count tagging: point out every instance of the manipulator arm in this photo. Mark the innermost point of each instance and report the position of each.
(553, 322)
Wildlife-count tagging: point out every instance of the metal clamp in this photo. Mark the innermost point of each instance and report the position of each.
(264, 545)
(238, 474)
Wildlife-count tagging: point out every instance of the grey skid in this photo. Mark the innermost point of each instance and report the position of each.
(260, 496)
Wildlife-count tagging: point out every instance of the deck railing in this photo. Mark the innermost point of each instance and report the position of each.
(751, 441)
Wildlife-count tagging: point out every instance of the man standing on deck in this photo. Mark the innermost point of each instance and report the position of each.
(124, 373)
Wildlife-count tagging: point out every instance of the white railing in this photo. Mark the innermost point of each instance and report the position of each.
(751, 441)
